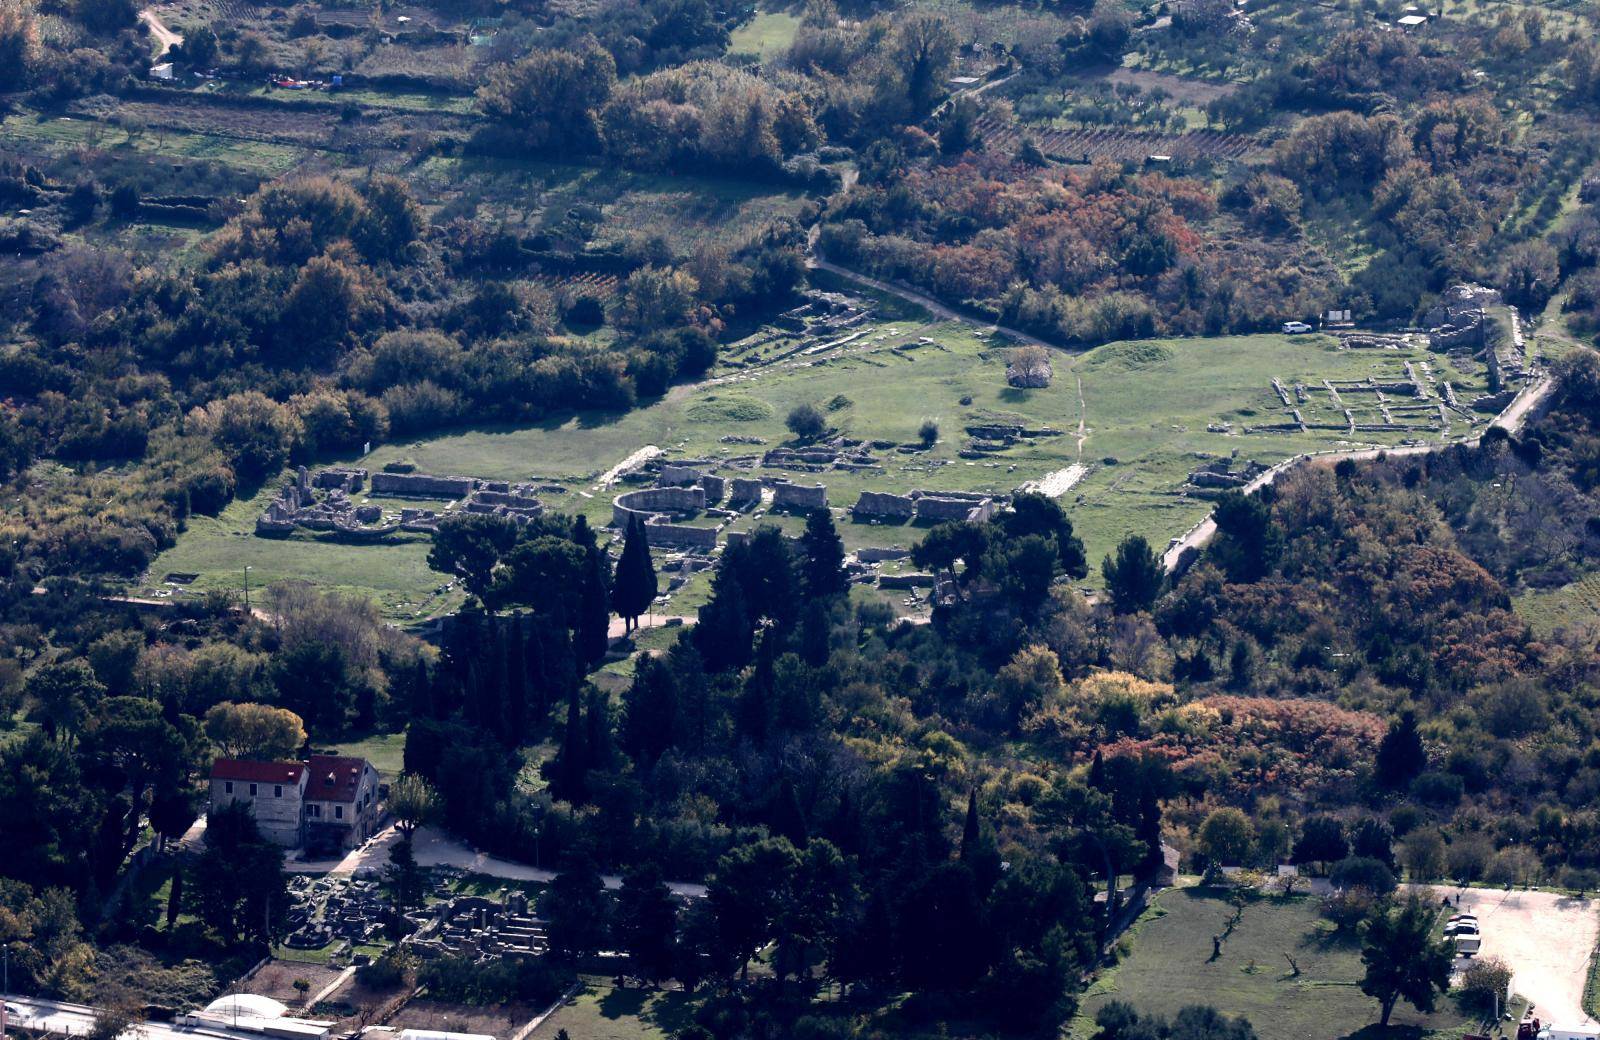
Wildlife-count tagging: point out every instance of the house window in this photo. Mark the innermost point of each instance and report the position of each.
(252, 790)
(338, 812)
(315, 810)
(277, 790)
(227, 787)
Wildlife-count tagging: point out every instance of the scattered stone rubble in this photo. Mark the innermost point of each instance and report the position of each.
(321, 502)
(480, 928)
(1210, 479)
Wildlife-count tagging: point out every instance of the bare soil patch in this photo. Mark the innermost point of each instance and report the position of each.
(502, 1021)
(276, 980)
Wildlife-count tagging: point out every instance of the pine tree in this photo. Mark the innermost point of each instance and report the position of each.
(824, 556)
(634, 586)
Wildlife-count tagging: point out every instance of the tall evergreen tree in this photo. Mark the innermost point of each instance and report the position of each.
(634, 586)
(970, 834)
(1401, 756)
(594, 599)
(823, 568)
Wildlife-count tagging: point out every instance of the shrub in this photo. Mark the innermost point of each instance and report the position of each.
(1484, 981)
(806, 423)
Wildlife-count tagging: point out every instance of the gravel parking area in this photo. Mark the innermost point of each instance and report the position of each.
(1546, 938)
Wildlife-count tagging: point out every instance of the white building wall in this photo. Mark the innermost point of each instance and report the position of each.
(276, 807)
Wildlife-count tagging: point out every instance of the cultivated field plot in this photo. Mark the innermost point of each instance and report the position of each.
(1117, 144)
(1171, 967)
(1152, 413)
(1572, 607)
(602, 205)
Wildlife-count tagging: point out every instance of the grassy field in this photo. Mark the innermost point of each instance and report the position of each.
(1145, 407)
(602, 1012)
(766, 35)
(1569, 606)
(1170, 967)
(386, 752)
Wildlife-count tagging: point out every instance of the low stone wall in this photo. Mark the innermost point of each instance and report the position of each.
(905, 581)
(942, 507)
(421, 485)
(680, 536)
(799, 496)
(883, 504)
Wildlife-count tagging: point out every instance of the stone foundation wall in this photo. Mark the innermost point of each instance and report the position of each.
(880, 503)
(799, 496)
(647, 502)
(421, 485)
(680, 536)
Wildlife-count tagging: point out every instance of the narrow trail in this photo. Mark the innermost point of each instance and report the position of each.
(165, 38)
(1083, 416)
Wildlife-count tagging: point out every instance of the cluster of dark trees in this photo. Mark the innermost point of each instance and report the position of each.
(740, 755)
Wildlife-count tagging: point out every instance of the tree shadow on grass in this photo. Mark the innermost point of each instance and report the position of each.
(668, 1011)
(1377, 1032)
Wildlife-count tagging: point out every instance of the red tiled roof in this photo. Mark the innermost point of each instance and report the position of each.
(334, 779)
(257, 772)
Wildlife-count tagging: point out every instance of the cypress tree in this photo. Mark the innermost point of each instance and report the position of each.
(634, 586)
(516, 667)
(824, 556)
(594, 599)
(969, 830)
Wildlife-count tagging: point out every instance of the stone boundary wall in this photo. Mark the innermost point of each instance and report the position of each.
(746, 491)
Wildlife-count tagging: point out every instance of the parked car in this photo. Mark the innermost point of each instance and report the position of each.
(1296, 328)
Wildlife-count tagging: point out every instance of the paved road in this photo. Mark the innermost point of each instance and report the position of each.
(64, 1019)
(434, 848)
(165, 38)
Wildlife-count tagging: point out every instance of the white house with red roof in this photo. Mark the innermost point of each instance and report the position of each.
(327, 803)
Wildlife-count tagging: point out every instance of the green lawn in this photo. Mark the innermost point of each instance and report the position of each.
(386, 752)
(604, 1013)
(1170, 966)
(766, 35)
(1146, 409)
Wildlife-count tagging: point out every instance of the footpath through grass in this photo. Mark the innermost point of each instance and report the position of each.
(1170, 966)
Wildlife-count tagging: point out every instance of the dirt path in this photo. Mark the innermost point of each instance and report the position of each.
(165, 38)
(627, 465)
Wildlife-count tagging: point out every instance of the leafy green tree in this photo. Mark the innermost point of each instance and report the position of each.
(1133, 575)
(806, 422)
(634, 585)
(550, 98)
(413, 801)
(1227, 837)
(750, 893)
(1403, 959)
(468, 545)
(255, 731)
(63, 693)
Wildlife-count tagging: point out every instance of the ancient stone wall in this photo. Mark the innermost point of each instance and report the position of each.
(421, 485)
(799, 496)
(883, 504)
(646, 502)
